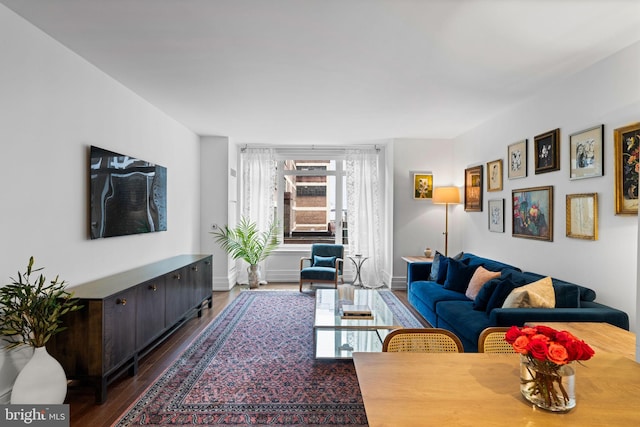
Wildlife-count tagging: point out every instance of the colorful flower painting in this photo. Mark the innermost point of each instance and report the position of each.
(627, 153)
(533, 213)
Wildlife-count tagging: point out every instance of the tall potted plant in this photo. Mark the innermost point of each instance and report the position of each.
(244, 241)
(30, 314)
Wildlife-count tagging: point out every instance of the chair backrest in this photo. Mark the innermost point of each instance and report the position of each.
(422, 340)
(328, 250)
(491, 340)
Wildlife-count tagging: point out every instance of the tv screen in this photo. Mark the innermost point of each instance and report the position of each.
(128, 195)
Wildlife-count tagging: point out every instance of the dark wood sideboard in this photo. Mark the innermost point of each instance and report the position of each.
(127, 314)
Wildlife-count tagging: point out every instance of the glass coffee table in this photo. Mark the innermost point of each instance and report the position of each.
(335, 337)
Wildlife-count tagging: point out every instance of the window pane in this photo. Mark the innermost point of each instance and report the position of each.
(309, 201)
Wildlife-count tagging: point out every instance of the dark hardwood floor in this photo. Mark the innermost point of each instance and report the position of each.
(123, 391)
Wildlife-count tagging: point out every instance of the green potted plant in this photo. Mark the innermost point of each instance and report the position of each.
(244, 241)
(30, 314)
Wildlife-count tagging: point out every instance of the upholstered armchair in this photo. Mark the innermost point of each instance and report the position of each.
(325, 265)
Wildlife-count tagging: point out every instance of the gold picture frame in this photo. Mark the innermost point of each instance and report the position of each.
(473, 189)
(532, 213)
(422, 185)
(494, 175)
(582, 216)
(626, 152)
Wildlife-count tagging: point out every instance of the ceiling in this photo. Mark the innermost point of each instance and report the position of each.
(320, 71)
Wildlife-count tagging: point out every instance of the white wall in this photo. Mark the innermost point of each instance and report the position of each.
(607, 93)
(53, 106)
(419, 223)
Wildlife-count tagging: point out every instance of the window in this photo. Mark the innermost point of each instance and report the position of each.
(311, 201)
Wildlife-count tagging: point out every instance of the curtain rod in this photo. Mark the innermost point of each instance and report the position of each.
(285, 148)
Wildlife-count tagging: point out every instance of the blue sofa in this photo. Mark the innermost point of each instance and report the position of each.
(447, 306)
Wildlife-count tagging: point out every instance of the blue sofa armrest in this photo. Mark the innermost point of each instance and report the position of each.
(597, 313)
(418, 271)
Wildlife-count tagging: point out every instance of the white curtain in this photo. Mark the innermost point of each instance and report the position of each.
(258, 166)
(364, 209)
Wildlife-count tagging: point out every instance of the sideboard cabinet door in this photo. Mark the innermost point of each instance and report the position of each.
(119, 333)
(150, 308)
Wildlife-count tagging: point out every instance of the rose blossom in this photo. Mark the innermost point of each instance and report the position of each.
(538, 349)
(520, 345)
(557, 354)
(511, 335)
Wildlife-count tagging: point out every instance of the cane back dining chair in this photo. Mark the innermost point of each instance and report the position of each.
(325, 265)
(422, 340)
(491, 340)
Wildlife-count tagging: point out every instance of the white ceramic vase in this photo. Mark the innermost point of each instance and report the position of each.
(42, 381)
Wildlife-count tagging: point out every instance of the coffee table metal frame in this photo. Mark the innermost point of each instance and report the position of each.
(338, 338)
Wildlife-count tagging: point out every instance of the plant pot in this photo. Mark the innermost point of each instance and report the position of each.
(42, 381)
(255, 276)
(547, 385)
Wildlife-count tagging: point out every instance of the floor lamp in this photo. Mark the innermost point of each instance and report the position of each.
(446, 196)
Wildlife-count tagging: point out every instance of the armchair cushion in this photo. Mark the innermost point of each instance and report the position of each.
(318, 273)
(324, 261)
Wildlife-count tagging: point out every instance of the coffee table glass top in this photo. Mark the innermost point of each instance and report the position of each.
(338, 338)
(329, 309)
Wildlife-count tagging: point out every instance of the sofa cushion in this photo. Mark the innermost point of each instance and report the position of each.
(483, 297)
(538, 294)
(458, 275)
(324, 261)
(509, 280)
(487, 263)
(435, 267)
(567, 295)
(431, 293)
(440, 265)
(458, 317)
(479, 278)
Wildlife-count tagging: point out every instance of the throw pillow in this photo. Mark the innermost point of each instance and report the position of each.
(501, 292)
(324, 261)
(483, 297)
(443, 267)
(435, 266)
(479, 278)
(538, 294)
(458, 275)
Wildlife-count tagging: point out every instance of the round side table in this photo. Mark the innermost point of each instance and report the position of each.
(358, 260)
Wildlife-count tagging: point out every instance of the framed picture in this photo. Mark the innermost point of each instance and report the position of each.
(582, 216)
(547, 151)
(473, 189)
(626, 152)
(586, 153)
(494, 175)
(496, 215)
(517, 158)
(533, 213)
(422, 185)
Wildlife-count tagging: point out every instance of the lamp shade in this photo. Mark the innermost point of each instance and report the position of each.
(442, 195)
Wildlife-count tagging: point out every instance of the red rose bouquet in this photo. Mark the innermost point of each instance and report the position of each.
(545, 351)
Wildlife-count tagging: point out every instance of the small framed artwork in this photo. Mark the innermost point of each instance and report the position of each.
(517, 158)
(422, 185)
(496, 215)
(494, 175)
(582, 216)
(532, 216)
(547, 151)
(586, 153)
(626, 152)
(473, 189)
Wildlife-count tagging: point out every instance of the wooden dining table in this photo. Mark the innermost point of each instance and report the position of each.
(482, 389)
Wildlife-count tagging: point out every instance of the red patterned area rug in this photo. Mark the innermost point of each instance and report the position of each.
(254, 366)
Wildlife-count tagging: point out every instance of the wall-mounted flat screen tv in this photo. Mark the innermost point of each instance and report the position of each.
(128, 195)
